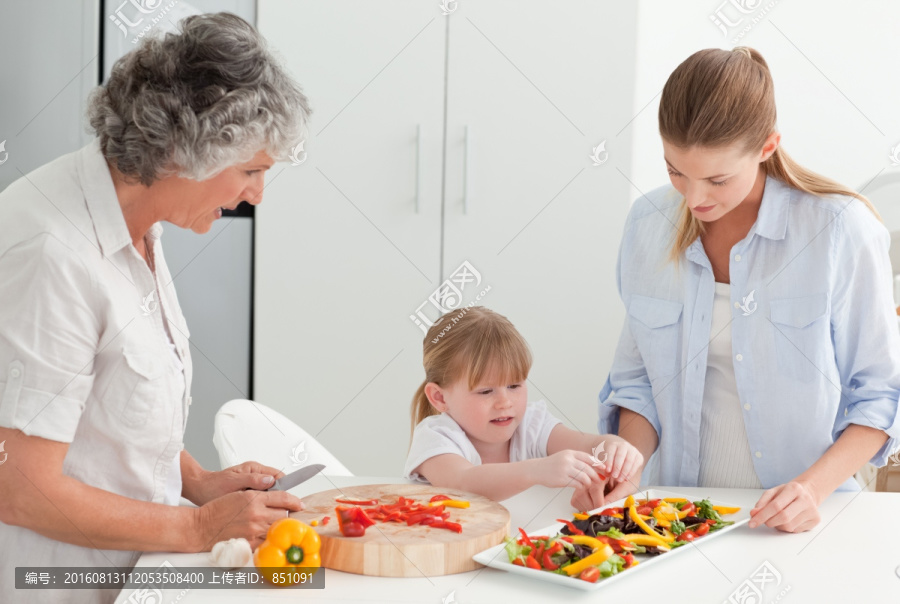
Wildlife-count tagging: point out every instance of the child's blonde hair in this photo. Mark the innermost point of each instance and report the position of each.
(473, 343)
(717, 98)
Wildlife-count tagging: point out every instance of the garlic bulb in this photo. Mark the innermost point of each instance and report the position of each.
(234, 553)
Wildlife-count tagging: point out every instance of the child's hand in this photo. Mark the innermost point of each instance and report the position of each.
(567, 468)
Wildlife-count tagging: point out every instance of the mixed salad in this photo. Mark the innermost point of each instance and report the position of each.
(604, 544)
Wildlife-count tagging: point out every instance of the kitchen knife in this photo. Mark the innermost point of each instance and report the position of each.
(289, 481)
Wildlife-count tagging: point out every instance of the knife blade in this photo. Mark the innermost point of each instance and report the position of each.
(289, 481)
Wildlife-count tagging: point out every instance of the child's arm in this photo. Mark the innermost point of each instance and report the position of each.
(499, 481)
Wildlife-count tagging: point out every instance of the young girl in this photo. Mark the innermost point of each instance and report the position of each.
(760, 348)
(474, 429)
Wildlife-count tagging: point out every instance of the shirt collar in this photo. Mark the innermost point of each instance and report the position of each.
(771, 222)
(103, 204)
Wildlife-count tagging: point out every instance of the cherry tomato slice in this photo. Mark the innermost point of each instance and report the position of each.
(590, 574)
(701, 530)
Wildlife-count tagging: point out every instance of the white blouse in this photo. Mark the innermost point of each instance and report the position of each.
(84, 354)
(725, 458)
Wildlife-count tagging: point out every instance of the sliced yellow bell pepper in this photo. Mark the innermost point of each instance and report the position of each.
(580, 516)
(675, 500)
(726, 510)
(632, 513)
(289, 544)
(665, 515)
(642, 539)
(598, 557)
(593, 543)
(450, 503)
(629, 502)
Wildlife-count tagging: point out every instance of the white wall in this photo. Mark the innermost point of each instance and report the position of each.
(834, 67)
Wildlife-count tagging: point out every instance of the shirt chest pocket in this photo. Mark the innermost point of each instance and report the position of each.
(135, 387)
(801, 335)
(656, 327)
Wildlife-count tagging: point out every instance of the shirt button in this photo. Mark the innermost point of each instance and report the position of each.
(14, 372)
(747, 406)
(758, 454)
(739, 357)
(737, 304)
(737, 258)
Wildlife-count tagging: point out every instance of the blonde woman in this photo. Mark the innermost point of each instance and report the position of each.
(474, 429)
(760, 348)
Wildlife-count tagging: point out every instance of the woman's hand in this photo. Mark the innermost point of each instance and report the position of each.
(622, 460)
(566, 468)
(246, 514)
(791, 507)
(207, 486)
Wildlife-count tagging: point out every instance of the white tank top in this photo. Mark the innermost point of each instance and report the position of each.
(725, 458)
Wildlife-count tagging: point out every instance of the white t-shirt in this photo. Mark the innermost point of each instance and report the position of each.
(725, 458)
(440, 434)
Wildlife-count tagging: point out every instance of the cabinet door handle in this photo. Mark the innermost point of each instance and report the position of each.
(418, 163)
(466, 169)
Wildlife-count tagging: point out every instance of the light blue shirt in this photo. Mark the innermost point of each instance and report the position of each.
(814, 332)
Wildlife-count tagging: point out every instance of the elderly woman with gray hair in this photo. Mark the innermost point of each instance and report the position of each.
(95, 366)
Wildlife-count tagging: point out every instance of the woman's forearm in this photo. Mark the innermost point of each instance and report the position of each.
(853, 448)
(635, 428)
(192, 477)
(68, 510)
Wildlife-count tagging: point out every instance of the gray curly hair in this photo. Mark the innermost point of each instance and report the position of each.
(196, 102)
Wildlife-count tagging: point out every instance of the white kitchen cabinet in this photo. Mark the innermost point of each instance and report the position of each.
(346, 251)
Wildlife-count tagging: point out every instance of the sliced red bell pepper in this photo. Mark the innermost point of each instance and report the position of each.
(453, 526)
(548, 562)
(526, 539)
(572, 528)
(532, 563)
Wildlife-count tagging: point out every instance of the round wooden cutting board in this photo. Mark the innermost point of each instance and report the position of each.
(392, 549)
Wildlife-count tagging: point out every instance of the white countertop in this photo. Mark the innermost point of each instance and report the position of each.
(852, 555)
